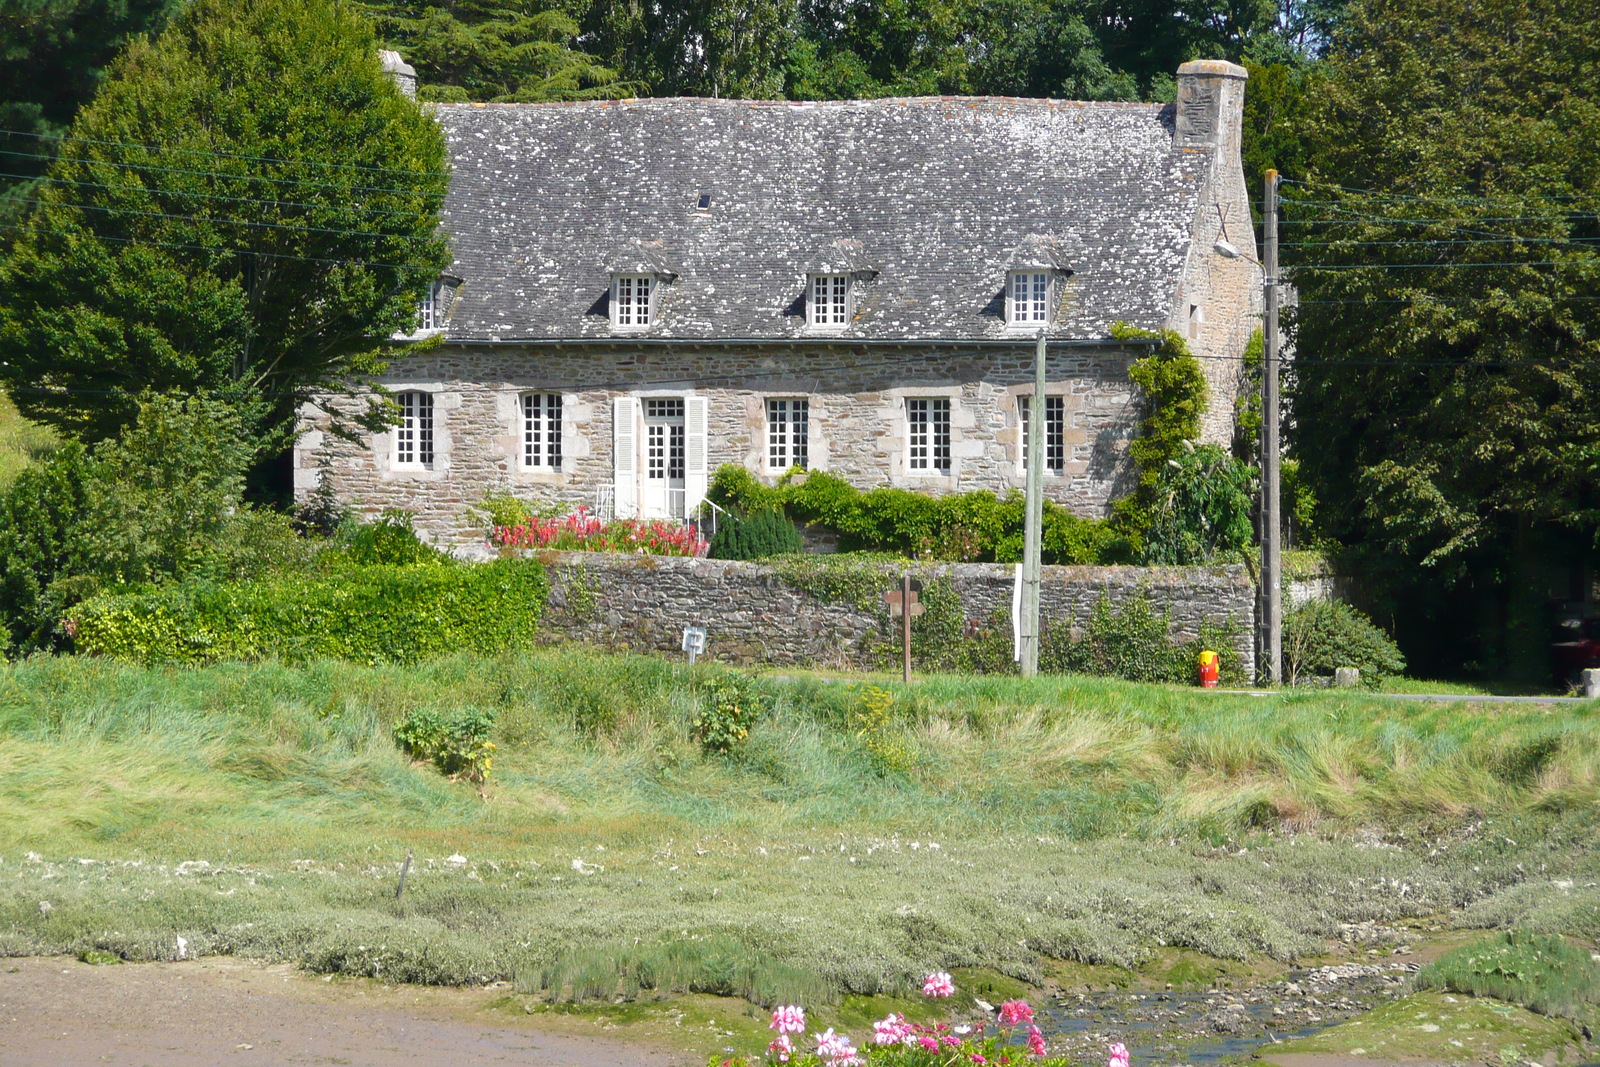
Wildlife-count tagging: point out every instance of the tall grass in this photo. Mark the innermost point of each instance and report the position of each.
(1020, 819)
(21, 442)
(1538, 971)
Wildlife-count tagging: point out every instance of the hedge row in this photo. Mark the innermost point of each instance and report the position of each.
(371, 614)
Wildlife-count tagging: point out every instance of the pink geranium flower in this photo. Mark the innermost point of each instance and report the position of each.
(1015, 1013)
(1035, 1041)
(938, 984)
(836, 1049)
(789, 1019)
(781, 1048)
(1119, 1056)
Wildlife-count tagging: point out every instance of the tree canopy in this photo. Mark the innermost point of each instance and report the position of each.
(1447, 250)
(245, 205)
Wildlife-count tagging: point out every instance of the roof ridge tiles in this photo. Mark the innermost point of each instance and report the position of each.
(878, 101)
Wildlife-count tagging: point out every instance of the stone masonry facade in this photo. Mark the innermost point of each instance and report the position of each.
(857, 422)
(753, 615)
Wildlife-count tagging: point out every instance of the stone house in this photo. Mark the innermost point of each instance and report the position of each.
(644, 290)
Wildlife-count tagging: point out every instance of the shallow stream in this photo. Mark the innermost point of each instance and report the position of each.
(1202, 1028)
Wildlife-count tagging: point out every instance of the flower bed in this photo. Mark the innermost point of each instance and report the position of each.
(583, 532)
(898, 1042)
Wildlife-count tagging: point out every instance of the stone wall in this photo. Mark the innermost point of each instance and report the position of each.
(857, 420)
(752, 614)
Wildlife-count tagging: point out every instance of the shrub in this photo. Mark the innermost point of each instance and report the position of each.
(1132, 642)
(758, 536)
(390, 541)
(1323, 635)
(1200, 509)
(458, 745)
(969, 527)
(39, 514)
(371, 614)
(730, 704)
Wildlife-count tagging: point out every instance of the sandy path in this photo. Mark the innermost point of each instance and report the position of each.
(62, 1013)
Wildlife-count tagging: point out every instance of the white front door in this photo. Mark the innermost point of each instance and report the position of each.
(662, 491)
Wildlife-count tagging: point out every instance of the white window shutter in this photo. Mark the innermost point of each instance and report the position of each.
(624, 458)
(695, 470)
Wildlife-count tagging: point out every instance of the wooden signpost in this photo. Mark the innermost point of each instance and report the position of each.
(904, 602)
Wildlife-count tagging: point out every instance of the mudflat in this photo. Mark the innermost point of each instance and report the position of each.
(59, 1012)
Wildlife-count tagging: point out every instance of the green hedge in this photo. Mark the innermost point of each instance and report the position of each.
(971, 527)
(369, 614)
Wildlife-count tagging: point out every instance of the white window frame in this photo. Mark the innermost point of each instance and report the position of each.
(928, 435)
(830, 301)
(629, 309)
(1055, 434)
(541, 417)
(430, 312)
(414, 437)
(788, 433)
(1030, 298)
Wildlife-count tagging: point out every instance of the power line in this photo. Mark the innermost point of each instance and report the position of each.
(213, 220)
(1383, 196)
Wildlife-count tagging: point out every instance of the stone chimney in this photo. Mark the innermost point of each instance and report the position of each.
(1210, 104)
(403, 73)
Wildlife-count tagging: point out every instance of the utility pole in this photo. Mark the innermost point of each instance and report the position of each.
(1271, 553)
(1033, 518)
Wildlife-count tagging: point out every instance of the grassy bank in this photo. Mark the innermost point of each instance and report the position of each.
(852, 840)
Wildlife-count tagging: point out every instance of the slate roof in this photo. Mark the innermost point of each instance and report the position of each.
(937, 195)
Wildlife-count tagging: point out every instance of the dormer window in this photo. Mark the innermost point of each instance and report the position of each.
(631, 300)
(828, 304)
(1028, 300)
(430, 313)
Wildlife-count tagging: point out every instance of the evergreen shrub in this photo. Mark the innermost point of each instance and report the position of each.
(1323, 635)
(376, 614)
(758, 536)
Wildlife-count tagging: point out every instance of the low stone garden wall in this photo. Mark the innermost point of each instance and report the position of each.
(828, 611)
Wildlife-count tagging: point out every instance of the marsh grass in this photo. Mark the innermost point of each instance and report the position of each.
(1054, 819)
(1541, 972)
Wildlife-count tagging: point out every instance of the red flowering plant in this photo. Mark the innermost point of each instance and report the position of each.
(1013, 1041)
(583, 532)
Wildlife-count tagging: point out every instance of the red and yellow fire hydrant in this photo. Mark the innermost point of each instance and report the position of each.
(1208, 669)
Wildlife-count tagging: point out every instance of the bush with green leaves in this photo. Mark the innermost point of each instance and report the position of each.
(973, 527)
(760, 535)
(1321, 636)
(729, 704)
(456, 744)
(372, 614)
(391, 540)
(1200, 508)
(161, 504)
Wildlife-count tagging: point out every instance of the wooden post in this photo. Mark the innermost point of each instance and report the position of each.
(404, 867)
(905, 622)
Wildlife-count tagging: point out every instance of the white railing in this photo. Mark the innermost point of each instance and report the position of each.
(605, 503)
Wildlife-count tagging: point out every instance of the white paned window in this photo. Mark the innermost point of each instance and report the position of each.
(630, 300)
(413, 438)
(829, 301)
(541, 431)
(663, 423)
(788, 434)
(1029, 298)
(430, 313)
(1055, 433)
(928, 426)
